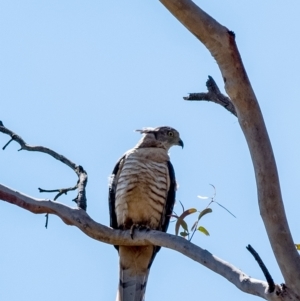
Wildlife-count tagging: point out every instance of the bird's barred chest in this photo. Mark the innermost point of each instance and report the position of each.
(141, 189)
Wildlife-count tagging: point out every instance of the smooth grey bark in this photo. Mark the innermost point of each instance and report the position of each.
(221, 44)
(80, 219)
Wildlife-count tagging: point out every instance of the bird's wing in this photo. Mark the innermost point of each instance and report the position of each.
(135, 262)
(112, 192)
(169, 205)
(170, 201)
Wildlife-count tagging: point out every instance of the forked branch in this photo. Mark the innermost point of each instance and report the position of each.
(221, 43)
(80, 219)
(80, 172)
(214, 94)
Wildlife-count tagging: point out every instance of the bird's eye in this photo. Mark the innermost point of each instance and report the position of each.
(170, 134)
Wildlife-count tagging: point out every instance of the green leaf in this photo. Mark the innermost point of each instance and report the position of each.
(181, 222)
(187, 212)
(297, 246)
(203, 230)
(203, 212)
(184, 225)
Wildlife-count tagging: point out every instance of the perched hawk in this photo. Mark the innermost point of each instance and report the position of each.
(142, 194)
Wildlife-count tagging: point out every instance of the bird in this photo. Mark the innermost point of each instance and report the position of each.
(142, 195)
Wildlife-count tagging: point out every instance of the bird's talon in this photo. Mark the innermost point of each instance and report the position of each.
(139, 227)
(132, 229)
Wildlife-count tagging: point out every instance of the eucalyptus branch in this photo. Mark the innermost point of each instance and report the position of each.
(221, 44)
(97, 231)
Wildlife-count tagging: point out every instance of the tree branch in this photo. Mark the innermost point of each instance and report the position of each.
(80, 172)
(221, 44)
(80, 219)
(264, 269)
(213, 95)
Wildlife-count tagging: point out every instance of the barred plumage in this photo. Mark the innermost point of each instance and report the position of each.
(142, 192)
(140, 198)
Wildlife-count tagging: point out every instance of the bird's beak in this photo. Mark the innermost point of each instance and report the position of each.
(180, 143)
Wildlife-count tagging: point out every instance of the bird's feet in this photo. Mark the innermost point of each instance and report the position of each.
(139, 227)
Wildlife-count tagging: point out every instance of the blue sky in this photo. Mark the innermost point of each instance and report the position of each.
(80, 77)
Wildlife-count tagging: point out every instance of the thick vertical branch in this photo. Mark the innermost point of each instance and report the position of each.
(221, 44)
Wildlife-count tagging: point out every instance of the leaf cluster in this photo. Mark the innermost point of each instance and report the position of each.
(181, 226)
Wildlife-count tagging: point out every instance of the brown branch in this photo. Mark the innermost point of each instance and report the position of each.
(80, 172)
(221, 44)
(80, 219)
(213, 95)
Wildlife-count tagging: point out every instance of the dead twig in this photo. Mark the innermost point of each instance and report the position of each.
(80, 172)
(263, 268)
(213, 95)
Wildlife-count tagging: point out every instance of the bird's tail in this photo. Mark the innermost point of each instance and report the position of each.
(135, 265)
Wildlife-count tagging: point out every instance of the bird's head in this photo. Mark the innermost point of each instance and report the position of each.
(162, 136)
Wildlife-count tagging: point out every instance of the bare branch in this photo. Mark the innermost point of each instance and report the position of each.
(81, 173)
(213, 95)
(263, 268)
(4, 147)
(60, 191)
(80, 219)
(41, 149)
(221, 44)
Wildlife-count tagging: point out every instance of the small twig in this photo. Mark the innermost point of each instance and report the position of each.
(47, 218)
(81, 173)
(4, 147)
(46, 190)
(181, 206)
(263, 268)
(41, 149)
(194, 231)
(213, 95)
(60, 191)
(225, 208)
